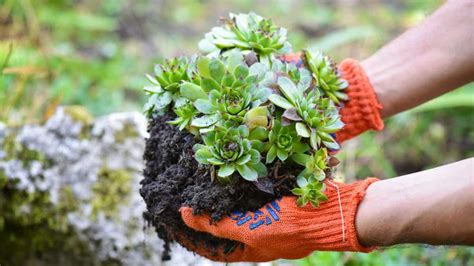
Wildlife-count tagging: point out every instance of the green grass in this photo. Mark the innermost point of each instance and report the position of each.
(407, 255)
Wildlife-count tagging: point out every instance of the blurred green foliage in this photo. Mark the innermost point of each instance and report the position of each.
(95, 53)
(66, 52)
(408, 255)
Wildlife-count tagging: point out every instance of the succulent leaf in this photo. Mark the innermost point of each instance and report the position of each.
(192, 91)
(256, 117)
(247, 172)
(280, 101)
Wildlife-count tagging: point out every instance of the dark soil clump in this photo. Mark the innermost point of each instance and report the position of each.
(173, 178)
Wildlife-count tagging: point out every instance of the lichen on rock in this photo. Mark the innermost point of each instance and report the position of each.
(69, 192)
(111, 190)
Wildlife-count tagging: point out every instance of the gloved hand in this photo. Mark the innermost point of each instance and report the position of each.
(281, 229)
(362, 111)
(299, 231)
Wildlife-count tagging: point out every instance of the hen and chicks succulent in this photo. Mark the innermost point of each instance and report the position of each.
(249, 108)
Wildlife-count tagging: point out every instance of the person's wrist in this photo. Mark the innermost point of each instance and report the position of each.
(379, 220)
(375, 74)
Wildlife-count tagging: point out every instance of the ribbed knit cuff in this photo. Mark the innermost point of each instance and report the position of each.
(324, 229)
(362, 111)
(356, 199)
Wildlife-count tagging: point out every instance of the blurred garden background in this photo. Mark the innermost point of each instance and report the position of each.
(93, 55)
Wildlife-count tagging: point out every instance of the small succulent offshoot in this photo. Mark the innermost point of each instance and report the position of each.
(326, 76)
(165, 83)
(247, 32)
(184, 115)
(248, 109)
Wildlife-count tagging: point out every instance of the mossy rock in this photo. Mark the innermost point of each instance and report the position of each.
(62, 192)
(127, 132)
(111, 190)
(79, 114)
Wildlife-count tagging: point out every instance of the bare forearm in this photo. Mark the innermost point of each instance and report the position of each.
(431, 207)
(435, 57)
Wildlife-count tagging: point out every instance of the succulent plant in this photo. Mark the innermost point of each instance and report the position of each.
(184, 115)
(166, 82)
(243, 101)
(230, 149)
(326, 76)
(315, 117)
(283, 142)
(312, 192)
(315, 165)
(310, 179)
(228, 90)
(247, 32)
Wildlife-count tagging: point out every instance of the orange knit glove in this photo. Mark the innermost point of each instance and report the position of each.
(281, 229)
(362, 111)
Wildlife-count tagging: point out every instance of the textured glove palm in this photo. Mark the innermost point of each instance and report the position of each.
(281, 229)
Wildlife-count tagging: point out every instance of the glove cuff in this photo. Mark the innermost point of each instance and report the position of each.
(331, 227)
(356, 198)
(362, 111)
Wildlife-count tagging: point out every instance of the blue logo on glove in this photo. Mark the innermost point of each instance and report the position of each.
(266, 215)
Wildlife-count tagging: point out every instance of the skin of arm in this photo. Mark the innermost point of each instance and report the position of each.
(435, 207)
(428, 60)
